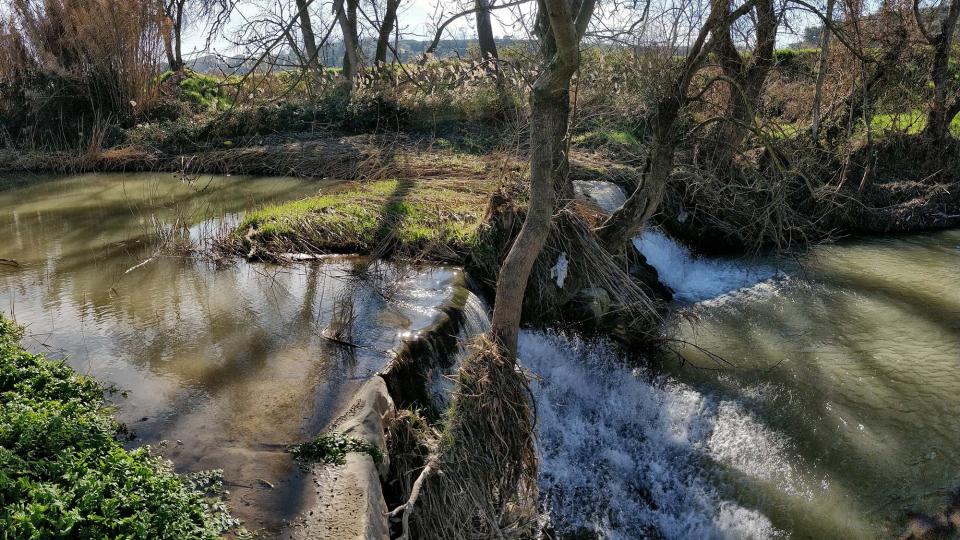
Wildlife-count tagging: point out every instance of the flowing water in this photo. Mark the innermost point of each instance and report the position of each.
(827, 406)
(219, 365)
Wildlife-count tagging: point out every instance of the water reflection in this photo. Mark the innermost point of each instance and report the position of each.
(222, 365)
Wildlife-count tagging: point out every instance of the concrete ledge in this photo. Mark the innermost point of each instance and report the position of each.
(349, 500)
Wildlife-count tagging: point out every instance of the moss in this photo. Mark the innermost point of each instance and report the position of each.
(410, 215)
(332, 448)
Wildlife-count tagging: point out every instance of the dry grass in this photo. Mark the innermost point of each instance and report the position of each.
(480, 482)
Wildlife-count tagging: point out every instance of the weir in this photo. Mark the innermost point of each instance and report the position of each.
(809, 397)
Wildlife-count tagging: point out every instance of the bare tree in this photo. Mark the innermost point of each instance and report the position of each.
(346, 13)
(384, 32)
(488, 47)
(178, 14)
(310, 51)
(945, 104)
(626, 221)
(561, 25)
(745, 76)
(823, 63)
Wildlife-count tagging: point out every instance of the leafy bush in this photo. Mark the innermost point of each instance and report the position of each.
(64, 474)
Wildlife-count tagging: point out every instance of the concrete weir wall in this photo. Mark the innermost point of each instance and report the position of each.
(349, 501)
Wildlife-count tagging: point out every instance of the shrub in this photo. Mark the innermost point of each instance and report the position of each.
(64, 474)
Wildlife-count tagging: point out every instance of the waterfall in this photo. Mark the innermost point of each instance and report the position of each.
(692, 278)
(476, 321)
(621, 452)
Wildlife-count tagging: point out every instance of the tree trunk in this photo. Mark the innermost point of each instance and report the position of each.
(309, 38)
(346, 11)
(822, 72)
(488, 47)
(938, 117)
(626, 222)
(178, 38)
(386, 29)
(549, 122)
(168, 44)
(746, 79)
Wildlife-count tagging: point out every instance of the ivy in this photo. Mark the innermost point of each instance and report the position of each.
(332, 448)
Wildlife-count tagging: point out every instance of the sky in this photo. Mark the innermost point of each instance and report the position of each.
(414, 16)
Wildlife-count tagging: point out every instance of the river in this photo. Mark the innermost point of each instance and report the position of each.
(814, 398)
(810, 398)
(217, 365)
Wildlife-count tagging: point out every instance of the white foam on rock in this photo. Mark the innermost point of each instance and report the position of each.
(694, 279)
(621, 454)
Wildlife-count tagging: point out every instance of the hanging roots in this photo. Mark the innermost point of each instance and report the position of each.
(480, 483)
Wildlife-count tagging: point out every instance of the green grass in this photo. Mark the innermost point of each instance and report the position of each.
(412, 215)
(609, 137)
(910, 123)
(781, 130)
(332, 448)
(63, 472)
(204, 92)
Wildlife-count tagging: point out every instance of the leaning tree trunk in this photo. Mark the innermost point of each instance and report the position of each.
(385, 31)
(626, 221)
(939, 116)
(309, 39)
(549, 118)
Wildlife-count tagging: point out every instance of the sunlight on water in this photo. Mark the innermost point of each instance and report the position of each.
(853, 360)
(224, 362)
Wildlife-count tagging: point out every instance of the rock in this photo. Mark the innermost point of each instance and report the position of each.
(591, 304)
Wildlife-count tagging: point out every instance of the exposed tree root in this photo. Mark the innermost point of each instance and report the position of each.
(480, 482)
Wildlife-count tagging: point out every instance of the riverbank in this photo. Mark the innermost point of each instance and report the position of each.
(64, 472)
(437, 188)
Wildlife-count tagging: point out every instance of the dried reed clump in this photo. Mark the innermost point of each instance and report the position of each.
(590, 265)
(480, 482)
(70, 68)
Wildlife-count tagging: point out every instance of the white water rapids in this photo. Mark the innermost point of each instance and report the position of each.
(625, 455)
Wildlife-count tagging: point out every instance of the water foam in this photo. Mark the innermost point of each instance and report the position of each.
(694, 279)
(621, 453)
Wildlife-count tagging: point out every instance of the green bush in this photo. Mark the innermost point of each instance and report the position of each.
(64, 474)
